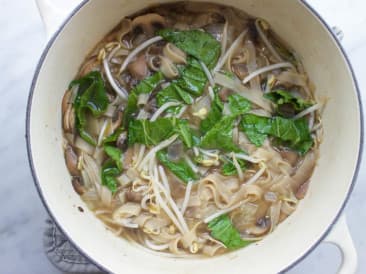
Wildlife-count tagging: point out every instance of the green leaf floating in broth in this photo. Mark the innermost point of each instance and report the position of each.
(256, 128)
(111, 139)
(115, 154)
(144, 87)
(109, 173)
(224, 231)
(91, 96)
(220, 136)
(291, 133)
(152, 133)
(238, 104)
(111, 168)
(214, 114)
(181, 169)
(199, 44)
(190, 84)
(192, 78)
(287, 105)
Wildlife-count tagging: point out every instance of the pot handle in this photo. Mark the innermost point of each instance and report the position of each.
(341, 237)
(53, 12)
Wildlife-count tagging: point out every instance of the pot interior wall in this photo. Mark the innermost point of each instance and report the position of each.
(329, 187)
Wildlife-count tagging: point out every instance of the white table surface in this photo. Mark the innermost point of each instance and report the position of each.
(22, 215)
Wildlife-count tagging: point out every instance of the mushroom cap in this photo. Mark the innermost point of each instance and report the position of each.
(149, 22)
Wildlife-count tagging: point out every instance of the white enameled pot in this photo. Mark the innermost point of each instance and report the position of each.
(316, 216)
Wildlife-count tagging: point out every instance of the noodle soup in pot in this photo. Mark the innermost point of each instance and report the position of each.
(191, 128)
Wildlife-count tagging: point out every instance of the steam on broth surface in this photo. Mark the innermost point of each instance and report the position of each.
(191, 128)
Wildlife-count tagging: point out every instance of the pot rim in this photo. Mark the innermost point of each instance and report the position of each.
(104, 268)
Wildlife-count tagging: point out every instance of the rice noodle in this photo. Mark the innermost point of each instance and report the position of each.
(162, 109)
(232, 49)
(138, 49)
(266, 69)
(153, 246)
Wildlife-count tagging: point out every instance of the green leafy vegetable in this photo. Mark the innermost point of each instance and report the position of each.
(193, 79)
(256, 128)
(238, 104)
(171, 94)
(109, 173)
(190, 84)
(199, 44)
(111, 139)
(229, 169)
(214, 115)
(223, 230)
(91, 96)
(287, 105)
(220, 136)
(111, 168)
(180, 169)
(152, 133)
(294, 134)
(145, 86)
(184, 132)
(115, 154)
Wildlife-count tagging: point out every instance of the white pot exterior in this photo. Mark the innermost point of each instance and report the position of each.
(331, 182)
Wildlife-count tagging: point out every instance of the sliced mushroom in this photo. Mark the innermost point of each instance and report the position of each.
(138, 68)
(126, 27)
(224, 93)
(260, 228)
(78, 186)
(149, 23)
(71, 159)
(133, 196)
(154, 62)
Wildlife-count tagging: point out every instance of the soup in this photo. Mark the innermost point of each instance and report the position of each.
(191, 128)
